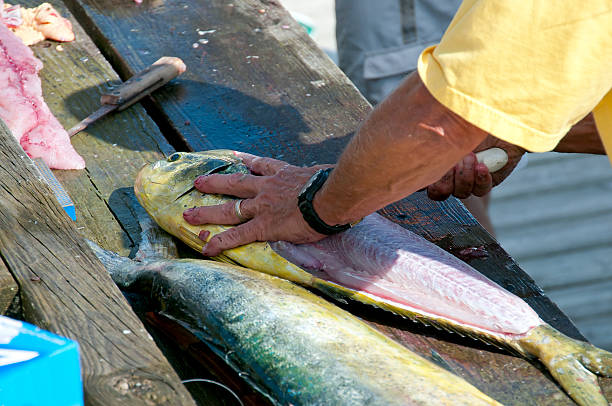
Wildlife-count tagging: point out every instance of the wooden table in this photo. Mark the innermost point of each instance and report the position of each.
(255, 82)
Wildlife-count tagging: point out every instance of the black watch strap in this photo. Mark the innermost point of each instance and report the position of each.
(305, 204)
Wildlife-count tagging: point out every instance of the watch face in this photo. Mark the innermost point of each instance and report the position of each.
(310, 181)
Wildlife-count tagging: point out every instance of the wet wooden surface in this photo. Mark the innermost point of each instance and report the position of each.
(255, 82)
(63, 286)
(66, 290)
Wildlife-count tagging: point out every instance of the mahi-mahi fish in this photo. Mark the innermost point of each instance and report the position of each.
(293, 346)
(379, 262)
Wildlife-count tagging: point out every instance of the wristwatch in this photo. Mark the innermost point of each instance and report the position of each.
(305, 204)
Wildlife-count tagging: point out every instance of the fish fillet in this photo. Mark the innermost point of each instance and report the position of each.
(24, 110)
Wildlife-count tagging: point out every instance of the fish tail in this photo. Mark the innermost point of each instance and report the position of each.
(111, 260)
(574, 364)
(155, 243)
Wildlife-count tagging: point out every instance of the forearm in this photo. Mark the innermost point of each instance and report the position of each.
(582, 138)
(408, 142)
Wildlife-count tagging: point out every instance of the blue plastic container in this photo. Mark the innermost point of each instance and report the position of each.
(37, 367)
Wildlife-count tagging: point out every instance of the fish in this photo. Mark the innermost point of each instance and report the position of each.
(36, 24)
(24, 110)
(288, 343)
(380, 263)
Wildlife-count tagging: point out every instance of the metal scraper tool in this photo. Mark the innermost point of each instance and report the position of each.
(60, 193)
(138, 86)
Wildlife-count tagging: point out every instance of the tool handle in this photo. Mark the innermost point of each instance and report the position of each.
(493, 158)
(161, 72)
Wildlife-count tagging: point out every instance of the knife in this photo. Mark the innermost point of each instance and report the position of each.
(138, 86)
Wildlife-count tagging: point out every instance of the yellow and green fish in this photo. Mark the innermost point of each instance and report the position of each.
(380, 263)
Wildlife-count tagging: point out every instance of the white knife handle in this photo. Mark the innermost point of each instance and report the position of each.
(493, 158)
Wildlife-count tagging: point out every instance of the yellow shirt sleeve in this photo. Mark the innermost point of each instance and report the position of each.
(524, 71)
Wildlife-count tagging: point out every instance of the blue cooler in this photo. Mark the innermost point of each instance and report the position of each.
(37, 367)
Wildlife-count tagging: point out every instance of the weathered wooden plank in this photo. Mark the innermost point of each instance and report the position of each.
(8, 288)
(258, 84)
(65, 289)
(114, 148)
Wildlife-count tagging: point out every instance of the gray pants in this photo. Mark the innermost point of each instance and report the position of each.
(379, 42)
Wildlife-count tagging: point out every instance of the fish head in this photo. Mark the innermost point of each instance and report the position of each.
(165, 188)
(170, 180)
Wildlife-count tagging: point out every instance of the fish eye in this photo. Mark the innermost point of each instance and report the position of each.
(174, 157)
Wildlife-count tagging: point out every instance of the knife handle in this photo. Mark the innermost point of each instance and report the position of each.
(493, 158)
(140, 85)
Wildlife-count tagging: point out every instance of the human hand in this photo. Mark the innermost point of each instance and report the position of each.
(468, 177)
(269, 205)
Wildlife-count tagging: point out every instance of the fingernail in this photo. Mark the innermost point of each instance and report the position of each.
(205, 251)
(199, 179)
(188, 212)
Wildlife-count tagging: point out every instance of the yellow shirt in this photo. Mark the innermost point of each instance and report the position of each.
(526, 71)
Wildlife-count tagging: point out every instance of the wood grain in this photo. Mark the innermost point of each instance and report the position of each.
(115, 148)
(66, 290)
(8, 288)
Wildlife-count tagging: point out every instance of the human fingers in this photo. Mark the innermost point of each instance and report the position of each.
(483, 181)
(232, 238)
(234, 184)
(261, 165)
(229, 213)
(443, 188)
(464, 177)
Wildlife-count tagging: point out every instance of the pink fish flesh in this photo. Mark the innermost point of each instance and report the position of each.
(382, 259)
(25, 112)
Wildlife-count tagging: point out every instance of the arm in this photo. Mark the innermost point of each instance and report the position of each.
(406, 143)
(582, 138)
(470, 178)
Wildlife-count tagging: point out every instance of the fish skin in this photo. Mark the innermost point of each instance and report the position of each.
(295, 347)
(514, 325)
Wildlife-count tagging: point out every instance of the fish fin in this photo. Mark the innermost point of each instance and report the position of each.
(190, 235)
(226, 259)
(574, 364)
(122, 270)
(155, 243)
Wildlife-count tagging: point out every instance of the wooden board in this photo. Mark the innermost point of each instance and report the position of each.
(76, 298)
(114, 149)
(256, 83)
(66, 290)
(8, 288)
